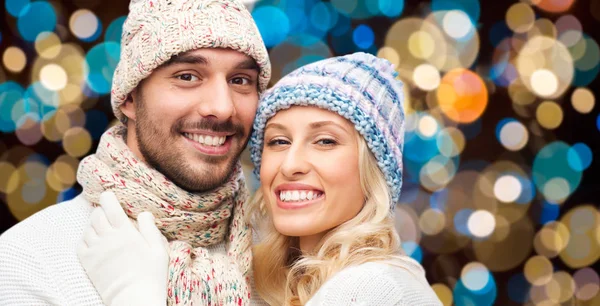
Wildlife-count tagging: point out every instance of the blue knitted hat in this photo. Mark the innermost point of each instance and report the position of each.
(361, 88)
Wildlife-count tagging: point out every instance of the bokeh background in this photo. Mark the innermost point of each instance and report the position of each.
(500, 200)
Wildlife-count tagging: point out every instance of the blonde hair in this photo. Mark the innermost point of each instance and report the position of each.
(285, 276)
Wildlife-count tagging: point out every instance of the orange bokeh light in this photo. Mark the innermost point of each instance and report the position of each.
(553, 6)
(462, 95)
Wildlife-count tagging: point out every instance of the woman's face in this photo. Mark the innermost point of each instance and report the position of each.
(309, 171)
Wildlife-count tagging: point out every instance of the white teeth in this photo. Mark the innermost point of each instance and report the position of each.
(298, 195)
(206, 139)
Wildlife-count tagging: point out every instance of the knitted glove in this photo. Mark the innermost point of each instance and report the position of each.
(126, 265)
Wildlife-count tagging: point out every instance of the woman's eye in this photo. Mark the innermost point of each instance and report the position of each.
(277, 142)
(188, 77)
(326, 142)
(240, 81)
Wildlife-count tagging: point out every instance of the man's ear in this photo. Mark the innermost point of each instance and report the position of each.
(128, 107)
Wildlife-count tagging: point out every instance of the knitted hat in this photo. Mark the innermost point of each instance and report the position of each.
(361, 88)
(156, 30)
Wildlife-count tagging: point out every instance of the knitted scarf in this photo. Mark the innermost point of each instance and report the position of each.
(189, 221)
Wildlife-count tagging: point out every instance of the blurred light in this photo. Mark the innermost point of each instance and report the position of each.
(432, 222)
(85, 25)
(518, 288)
(15, 7)
(413, 250)
(545, 66)
(507, 188)
(426, 77)
(35, 18)
(544, 82)
(550, 212)
(28, 131)
(513, 135)
(588, 64)
(543, 27)
(77, 141)
(462, 95)
(538, 270)
(587, 284)
(461, 219)
(391, 8)
(583, 248)
(457, 24)
(14, 59)
(583, 100)
(114, 30)
(9, 180)
(11, 94)
(443, 293)
(520, 17)
(549, 115)
(553, 6)
(569, 30)
(475, 276)
(363, 36)
(48, 45)
(481, 223)
(561, 287)
(421, 44)
(470, 7)
(53, 77)
(579, 156)
(322, 18)
(273, 24)
(389, 54)
(102, 61)
(557, 190)
(345, 6)
(428, 126)
(552, 239)
(451, 142)
(62, 174)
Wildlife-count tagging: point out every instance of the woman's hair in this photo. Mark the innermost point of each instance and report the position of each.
(285, 276)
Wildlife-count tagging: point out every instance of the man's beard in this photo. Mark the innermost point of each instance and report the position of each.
(154, 146)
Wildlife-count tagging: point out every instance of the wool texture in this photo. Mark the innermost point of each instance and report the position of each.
(157, 30)
(190, 222)
(359, 87)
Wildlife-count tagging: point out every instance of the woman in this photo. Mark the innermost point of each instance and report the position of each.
(327, 145)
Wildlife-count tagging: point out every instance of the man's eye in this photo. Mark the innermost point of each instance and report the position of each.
(187, 77)
(240, 81)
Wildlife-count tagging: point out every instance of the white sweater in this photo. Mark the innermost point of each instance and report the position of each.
(38, 259)
(377, 284)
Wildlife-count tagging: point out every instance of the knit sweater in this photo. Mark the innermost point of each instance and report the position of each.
(38, 259)
(377, 284)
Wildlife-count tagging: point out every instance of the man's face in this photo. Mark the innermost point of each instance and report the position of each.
(192, 117)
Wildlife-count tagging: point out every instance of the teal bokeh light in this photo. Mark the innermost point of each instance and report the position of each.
(102, 61)
(35, 18)
(273, 24)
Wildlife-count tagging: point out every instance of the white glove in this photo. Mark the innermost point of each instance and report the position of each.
(126, 265)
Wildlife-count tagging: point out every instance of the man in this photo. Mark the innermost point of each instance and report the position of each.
(186, 90)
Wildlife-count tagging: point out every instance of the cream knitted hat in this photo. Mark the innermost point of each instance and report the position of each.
(156, 30)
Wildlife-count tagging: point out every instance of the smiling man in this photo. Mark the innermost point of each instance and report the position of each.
(185, 91)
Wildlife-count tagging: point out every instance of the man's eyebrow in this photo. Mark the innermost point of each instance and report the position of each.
(248, 64)
(186, 59)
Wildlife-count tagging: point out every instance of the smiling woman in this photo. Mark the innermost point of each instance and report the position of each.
(328, 141)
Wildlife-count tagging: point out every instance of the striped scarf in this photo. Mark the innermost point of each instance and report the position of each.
(189, 221)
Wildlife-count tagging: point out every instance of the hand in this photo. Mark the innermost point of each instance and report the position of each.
(126, 265)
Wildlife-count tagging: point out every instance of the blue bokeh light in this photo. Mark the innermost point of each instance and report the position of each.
(14, 7)
(35, 18)
(391, 8)
(470, 7)
(486, 296)
(550, 163)
(518, 288)
(115, 30)
(579, 156)
(10, 94)
(102, 61)
(413, 250)
(550, 212)
(363, 36)
(273, 24)
(461, 219)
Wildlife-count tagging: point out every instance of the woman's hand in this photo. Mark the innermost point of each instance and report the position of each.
(126, 265)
